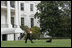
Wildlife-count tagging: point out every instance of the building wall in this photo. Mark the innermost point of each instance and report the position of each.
(17, 36)
(10, 37)
(27, 14)
(3, 17)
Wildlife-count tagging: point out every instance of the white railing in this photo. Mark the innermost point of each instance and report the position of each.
(3, 3)
(7, 30)
(4, 25)
(15, 26)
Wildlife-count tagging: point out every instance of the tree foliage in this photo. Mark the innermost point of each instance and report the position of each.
(56, 21)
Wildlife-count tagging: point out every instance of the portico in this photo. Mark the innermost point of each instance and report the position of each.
(6, 26)
(13, 15)
(7, 16)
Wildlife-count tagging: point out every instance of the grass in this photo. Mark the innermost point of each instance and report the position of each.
(38, 43)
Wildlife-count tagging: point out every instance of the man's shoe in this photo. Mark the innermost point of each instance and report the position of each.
(32, 42)
(25, 42)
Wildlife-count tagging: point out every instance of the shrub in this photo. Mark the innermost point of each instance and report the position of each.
(35, 32)
(23, 27)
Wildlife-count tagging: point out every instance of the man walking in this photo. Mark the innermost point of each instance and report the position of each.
(28, 35)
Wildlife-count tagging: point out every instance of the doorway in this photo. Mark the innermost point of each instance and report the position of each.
(4, 37)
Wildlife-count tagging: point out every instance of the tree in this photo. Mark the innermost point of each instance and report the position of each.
(52, 18)
(65, 7)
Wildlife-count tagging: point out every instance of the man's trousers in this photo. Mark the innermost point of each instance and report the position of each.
(28, 37)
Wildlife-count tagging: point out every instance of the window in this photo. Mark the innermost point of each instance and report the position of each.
(31, 7)
(4, 3)
(12, 21)
(32, 22)
(22, 21)
(22, 6)
(12, 3)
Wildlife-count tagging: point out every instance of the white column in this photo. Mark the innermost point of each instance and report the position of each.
(10, 37)
(1, 37)
(16, 15)
(19, 13)
(17, 36)
(9, 15)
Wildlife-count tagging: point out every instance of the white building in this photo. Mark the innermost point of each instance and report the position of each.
(13, 15)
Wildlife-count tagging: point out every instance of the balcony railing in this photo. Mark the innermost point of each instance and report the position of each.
(4, 25)
(3, 3)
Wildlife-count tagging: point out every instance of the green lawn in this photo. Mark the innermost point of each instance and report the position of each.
(38, 43)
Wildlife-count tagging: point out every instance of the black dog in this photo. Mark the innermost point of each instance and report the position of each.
(49, 40)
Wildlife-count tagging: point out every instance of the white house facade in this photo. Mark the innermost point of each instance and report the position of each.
(13, 15)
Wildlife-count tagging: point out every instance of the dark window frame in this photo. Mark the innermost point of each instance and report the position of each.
(22, 6)
(22, 20)
(31, 7)
(12, 21)
(32, 22)
(12, 4)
